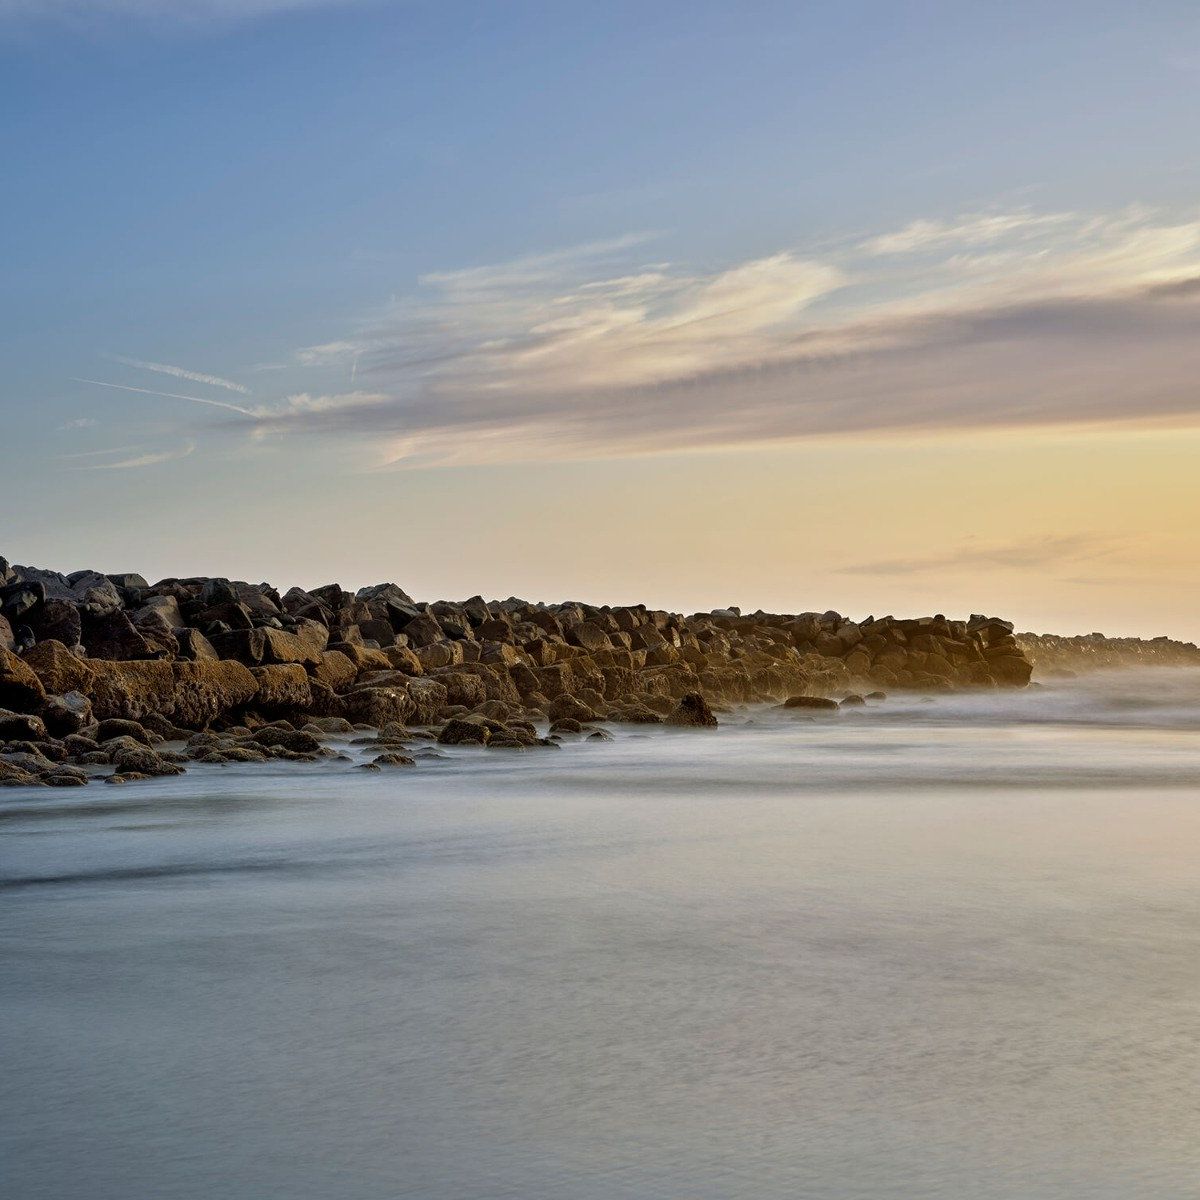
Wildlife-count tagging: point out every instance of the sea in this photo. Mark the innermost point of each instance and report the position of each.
(934, 948)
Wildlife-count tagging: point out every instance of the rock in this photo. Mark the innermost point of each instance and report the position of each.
(281, 688)
(203, 690)
(295, 740)
(393, 760)
(334, 670)
(20, 727)
(12, 775)
(600, 735)
(7, 639)
(376, 706)
(131, 690)
(693, 711)
(56, 620)
(194, 646)
(129, 582)
(566, 725)
(457, 732)
(58, 668)
(111, 635)
(852, 701)
(331, 724)
(65, 777)
(568, 706)
(132, 757)
(116, 727)
(67, 713)
(817, 702)
(20, 688)
(119, 777)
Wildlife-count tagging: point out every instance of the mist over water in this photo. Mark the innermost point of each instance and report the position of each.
(937, 950)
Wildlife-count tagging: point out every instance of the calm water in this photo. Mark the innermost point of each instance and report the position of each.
(945, 950)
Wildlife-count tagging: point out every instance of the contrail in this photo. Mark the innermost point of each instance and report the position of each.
(180, 373)
(122, 387)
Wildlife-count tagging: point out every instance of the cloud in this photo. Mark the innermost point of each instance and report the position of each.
(121, 387)
(147, 458)
(1007, 321)
(972, 229)
(180, 373)
(78, 423)
(1026, 554)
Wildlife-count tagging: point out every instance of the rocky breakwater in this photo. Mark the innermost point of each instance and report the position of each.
(1054, 656)
(103, 671)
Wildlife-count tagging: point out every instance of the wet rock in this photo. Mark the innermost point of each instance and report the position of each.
(853, 700)
(393, 759)
(16, 727)
(815, 702)
(693, 711)
(141, 759)
(457, 732)
(116, 727)
(565, 706)
(66, 714)
(20, 688)
(119, 777)
(294, 740)
(58, 668)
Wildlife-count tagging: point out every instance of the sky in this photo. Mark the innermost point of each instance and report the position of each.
(881, 307)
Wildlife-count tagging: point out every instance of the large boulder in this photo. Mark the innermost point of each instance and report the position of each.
(376, 706)
(20, 688)
(111, 635)
(58, 668)
(67, 714)
(429, 697)
(132, 689)
(204, 690)
(693, 711)
(282, 687)
(20, 727)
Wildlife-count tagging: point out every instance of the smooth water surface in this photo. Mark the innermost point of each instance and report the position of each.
(940, 950)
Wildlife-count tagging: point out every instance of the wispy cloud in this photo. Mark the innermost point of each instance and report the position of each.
(971, 229)
(78, 423)
(121, 387)
(1023, 554)
(990, 320)
(180, 373)
(144, 457)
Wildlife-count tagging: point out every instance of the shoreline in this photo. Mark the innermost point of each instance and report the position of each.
(102, 670)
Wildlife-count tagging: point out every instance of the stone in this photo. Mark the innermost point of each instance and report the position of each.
(20, 688)
(111, 635)
(19, 727)
(117, 727)
(376, 706)
(281, 687)
(693, 712)
(295, 740)
(58, 668)
(393, 759)
(568, 706)
(67, 714)
(458, 732)
(815, 702)
(143, 761)
(204, 690)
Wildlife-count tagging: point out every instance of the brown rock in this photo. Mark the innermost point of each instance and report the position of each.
(20, 688)
(693, 712)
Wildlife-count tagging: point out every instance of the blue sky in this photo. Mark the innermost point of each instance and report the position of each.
(450, 258)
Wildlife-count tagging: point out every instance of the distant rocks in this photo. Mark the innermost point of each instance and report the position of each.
(99, 672)
(1052, 656)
